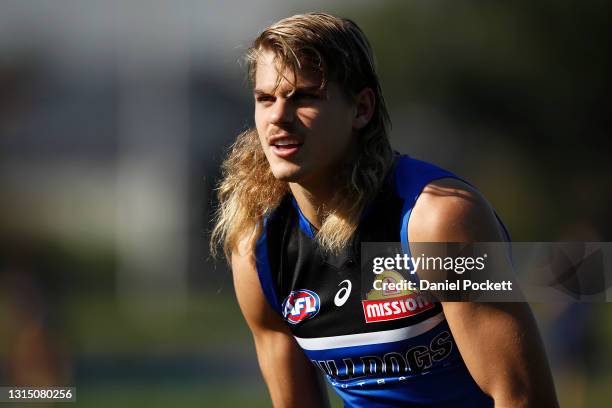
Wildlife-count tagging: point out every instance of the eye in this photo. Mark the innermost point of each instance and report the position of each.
(305, 96)
(308, 95)
(264, 98)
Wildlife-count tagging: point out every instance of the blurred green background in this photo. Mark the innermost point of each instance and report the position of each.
(114, 118)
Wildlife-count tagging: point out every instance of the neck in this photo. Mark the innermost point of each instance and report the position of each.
(313, 200)
(316, 194)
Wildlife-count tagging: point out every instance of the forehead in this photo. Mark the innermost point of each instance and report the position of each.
(268, 74)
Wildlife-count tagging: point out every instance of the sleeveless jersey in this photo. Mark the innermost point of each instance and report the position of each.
(371, 361)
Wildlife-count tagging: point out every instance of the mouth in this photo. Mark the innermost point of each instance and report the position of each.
(285, 146)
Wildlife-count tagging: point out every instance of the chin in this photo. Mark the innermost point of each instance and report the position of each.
(287, 172)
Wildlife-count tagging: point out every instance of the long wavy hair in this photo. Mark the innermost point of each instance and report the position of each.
(248, 191)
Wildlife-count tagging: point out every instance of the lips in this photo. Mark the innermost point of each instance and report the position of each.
(285, 146)
(285, 151)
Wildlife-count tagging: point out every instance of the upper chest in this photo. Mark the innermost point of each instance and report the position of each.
(325, 294)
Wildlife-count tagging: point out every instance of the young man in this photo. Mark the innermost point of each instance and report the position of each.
(300, 193)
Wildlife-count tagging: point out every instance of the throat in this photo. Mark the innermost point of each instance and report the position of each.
(312, 206)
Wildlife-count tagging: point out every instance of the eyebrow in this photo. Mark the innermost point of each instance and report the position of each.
(312, 88)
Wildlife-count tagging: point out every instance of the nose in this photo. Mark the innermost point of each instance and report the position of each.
(282, 111)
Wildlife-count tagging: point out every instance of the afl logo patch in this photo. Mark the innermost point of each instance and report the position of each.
(301, 305)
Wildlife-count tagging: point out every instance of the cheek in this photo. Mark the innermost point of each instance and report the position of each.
(263, 145)
(260, 127)
(324, 121)
(309, 117)
(335, 129)
(258, 118)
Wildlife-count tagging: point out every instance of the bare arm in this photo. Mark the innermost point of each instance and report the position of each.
(499, 342)
(292, 380)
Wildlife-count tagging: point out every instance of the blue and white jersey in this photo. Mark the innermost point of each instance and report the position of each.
(403, 357)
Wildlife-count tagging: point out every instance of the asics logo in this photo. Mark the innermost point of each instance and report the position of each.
(343, 294)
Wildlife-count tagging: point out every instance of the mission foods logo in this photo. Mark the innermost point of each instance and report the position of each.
(395, 308)
(301, 305)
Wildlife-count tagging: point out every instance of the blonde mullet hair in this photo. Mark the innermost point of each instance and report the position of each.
(248, 191)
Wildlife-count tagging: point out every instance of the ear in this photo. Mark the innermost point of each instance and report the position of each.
(365, 102)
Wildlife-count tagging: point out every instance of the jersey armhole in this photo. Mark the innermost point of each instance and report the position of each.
(411, 178)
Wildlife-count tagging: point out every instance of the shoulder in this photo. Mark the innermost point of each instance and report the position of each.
(449, 210)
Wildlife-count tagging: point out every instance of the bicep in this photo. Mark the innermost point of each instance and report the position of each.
(285, 368)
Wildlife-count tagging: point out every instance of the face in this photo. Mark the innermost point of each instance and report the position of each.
(306, 133)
